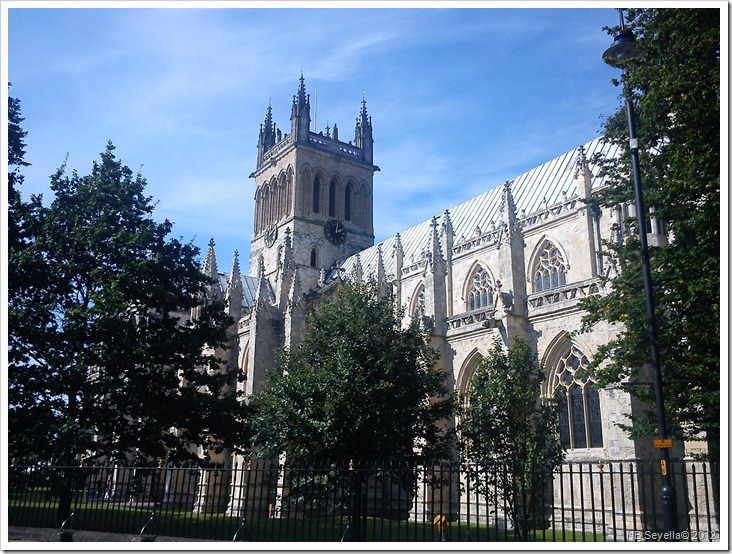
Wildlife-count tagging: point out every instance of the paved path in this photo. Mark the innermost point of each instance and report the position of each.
(41, 534)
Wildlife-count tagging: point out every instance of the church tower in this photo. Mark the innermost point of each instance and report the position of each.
(313, 196)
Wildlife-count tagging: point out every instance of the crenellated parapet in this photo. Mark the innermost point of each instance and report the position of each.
(272, 143)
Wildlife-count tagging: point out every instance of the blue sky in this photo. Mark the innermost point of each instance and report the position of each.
(462, 99)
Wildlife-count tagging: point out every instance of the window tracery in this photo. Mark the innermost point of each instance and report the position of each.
(480, 295)
(550, 271)
(580, 418)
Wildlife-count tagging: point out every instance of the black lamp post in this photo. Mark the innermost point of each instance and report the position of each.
(622, 49)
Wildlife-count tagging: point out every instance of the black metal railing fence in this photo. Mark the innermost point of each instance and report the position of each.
(270, 500)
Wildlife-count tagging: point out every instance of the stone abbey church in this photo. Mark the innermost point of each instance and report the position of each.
(513, 261)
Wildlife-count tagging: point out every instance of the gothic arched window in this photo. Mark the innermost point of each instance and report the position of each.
(272, 201)
(332, 199)
(258, 210)
(550, 271)
(316, 195)
(580, 422)
(266, 201)
(480, 295)
(417, 303)
(313, 257)
(347, 204)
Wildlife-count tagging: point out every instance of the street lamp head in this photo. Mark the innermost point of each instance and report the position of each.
(623, 48)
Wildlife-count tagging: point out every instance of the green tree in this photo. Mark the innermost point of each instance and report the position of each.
(358, 387)
(20, 228)
(509, 439)
(675, 88)
(17, 218)
(100, 339)
(16, 156)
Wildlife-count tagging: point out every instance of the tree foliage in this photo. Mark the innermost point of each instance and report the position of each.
(16, 161)
(99, 334)
(675, 88)
(358, 386)
(509, 439)
(16, 134)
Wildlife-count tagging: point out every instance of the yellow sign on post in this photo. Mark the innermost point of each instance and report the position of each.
(440, 523)
(662, 443)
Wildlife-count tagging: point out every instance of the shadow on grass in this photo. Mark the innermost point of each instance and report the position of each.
(130, 518)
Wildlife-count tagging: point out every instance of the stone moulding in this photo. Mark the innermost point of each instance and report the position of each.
(469, 318)
(548, 213)
(490, 238)
(572, 292)
(325, 143)
(279, 147)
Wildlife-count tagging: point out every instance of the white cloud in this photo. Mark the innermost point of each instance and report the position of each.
(460, 100)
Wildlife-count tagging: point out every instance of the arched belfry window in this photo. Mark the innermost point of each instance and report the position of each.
(332, 199)
(258, 210)
(550, 270)
(580, 420)
(347, 203)
(480, 295)
(316, 195)
(266, 201)
(272, 201)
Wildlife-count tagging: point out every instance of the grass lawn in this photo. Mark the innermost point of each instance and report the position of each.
(122, 518)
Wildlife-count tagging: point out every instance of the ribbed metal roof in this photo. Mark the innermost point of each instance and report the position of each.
(550, 183)
(248, 290)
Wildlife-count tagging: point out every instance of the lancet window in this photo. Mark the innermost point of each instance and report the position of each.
(332, 199)
(316, 195)
(347, 203)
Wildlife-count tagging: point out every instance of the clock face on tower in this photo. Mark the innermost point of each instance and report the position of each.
(334, 231)
(270, 234)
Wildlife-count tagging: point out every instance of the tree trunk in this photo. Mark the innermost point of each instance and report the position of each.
(65, 493)
(357, 512)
